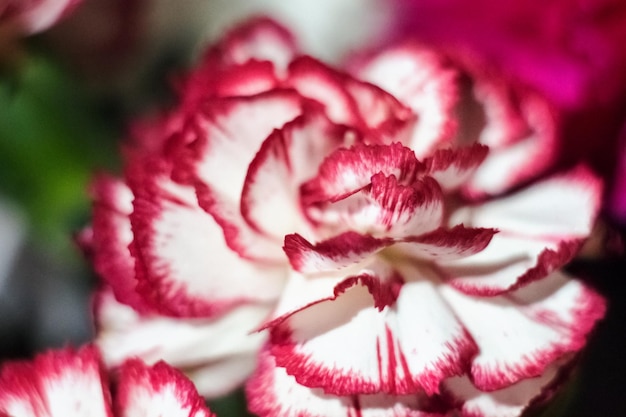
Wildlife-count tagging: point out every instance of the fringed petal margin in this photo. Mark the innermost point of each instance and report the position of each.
(258, 39)
(228, 134)
(506, 264)
(521, 132)
(66, 382)
(506, 402)
(561, 207)
(270, 198)
(183, 264)
(156, 390)
(111, 238)
(272, 392)
(422, 80)
(376, 114)
(342, 251)
(527, 330)
(348, 170)
(351, 248)
(385, 208)
(350, 343)
(216, 354)
(453, 167)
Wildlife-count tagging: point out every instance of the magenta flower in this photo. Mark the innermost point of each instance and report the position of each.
(352, 212)
(32, 16)
(71, 382)
(570, 50)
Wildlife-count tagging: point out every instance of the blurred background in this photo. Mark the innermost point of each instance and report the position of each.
(68, 93)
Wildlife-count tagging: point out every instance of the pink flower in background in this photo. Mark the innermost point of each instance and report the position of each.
(348, 216)
(70, 382)
(570, 50)
(31, 16)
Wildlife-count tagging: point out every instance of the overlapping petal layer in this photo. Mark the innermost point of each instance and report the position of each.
(111, 236)
(527, 330)
(183, 264)
(458, 102)
(214, 357)
(426, 83)
(229, 132)
(392, 343)
(534, 239)
(71, 383)
(272, 392)
(287, 158)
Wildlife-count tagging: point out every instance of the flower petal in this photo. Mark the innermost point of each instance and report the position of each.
(156, 391)
(539, 233)
(270, 198)
(453, 167)
(222, 377)
(215, 353)
(249, 78)
(34, 17)
(184, 265)
(507, 263)
(561, 206)
(272, 392)
(57, 383)
(420, 79)
(445, 244)
(349, 345)
(111, 238)
(229, 132)
(521, 133)
(351, 248)
(373, 112)
(339, 252)
(527, 330)
(406, 210)
(346, 171)
(386, 208)
(507, 402)
(259, 39)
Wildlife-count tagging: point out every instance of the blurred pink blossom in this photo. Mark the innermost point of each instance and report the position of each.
(27, 17)
(572, 50)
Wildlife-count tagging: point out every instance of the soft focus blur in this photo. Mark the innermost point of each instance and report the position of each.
(68, 93)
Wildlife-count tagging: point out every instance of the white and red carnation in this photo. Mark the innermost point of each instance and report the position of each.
(331, 213)
(73, 383)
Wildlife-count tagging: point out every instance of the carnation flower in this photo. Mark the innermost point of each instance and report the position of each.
(70, 382)
(32, 16)
(351, 216)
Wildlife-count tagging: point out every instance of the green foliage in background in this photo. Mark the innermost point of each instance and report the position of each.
(52, 136)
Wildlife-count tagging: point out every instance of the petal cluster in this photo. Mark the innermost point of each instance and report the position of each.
(71, 382)
(373, 233)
